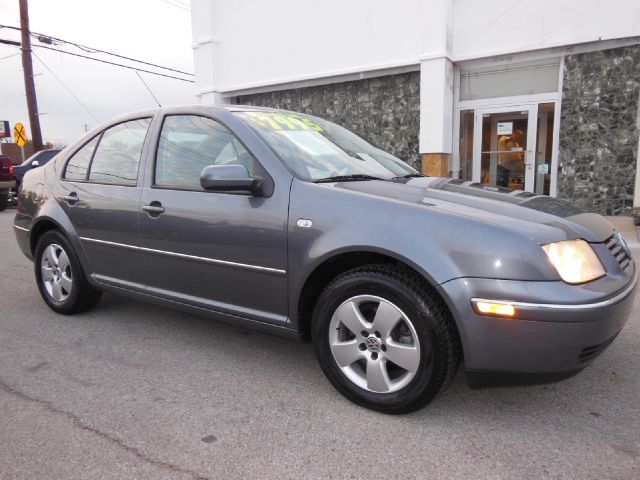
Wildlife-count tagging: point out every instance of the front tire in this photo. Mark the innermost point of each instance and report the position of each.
(385, 339)
(61, 281)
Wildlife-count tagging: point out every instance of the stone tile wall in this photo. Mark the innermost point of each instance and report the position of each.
(599, 129)
(383, 110)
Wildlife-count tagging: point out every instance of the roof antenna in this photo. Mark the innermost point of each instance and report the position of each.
(147, 86)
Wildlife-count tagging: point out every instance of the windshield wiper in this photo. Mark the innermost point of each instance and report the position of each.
(347, 178)
(410, 175)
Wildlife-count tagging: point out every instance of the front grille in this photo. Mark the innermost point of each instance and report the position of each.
(619, 251)
(589, 353)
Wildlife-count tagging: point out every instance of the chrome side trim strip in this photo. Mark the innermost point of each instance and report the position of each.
(188, 257)
(581, 306)
(21, 228)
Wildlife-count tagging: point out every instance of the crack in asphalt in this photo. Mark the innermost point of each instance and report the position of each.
(79, 423)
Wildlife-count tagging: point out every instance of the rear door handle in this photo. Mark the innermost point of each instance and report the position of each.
(153, 209)
(71, 199)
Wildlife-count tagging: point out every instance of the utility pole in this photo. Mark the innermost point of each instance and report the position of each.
(29, 87)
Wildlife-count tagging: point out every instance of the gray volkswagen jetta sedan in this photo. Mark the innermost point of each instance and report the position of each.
(293, 225)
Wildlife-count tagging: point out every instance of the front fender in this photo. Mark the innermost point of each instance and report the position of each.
(439, 245)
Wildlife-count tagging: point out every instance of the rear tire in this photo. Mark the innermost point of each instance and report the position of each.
(4, 200)
(385, 339)
(61, 281)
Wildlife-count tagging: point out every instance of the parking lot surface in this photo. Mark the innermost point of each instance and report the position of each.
(132, 390)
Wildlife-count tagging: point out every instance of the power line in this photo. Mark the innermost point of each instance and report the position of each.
(88, 49)
(147, 86)
(9, 42)
(10, 56)
(113, 63)
(66, 88)
(177, 4)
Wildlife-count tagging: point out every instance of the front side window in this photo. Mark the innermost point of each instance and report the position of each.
(78, 165)
(316, 149)
(188, 144)
(117, 157)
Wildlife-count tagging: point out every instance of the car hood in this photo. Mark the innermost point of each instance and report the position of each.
(541, 217)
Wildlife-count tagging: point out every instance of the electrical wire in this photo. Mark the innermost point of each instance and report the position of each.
(177, 4)
(66, 88)
(58, 41)
(116, 64)
(10, 56)
(147, 87)
(182, 2)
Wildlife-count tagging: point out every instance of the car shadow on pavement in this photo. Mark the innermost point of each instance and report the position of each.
(290, 362)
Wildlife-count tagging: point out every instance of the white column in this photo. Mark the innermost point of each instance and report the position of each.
(437, 80)
(206, 49)
(436, 106)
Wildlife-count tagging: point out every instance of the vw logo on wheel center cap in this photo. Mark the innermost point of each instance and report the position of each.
(373, 344)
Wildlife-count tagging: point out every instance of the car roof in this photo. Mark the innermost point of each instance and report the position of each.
(186, 110)
(194, 108)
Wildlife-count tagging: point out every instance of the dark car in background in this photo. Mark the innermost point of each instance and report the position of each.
(36, 160)
(7, 181)
(293, 225)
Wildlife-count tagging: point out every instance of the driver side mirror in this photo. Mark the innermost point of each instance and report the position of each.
(230, 178)
(35, 164)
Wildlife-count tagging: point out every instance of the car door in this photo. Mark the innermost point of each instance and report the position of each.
(222, 251)
(100, 194)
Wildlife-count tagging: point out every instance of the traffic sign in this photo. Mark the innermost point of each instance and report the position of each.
(19, 134)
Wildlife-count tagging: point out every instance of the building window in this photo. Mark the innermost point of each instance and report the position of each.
(524, 78)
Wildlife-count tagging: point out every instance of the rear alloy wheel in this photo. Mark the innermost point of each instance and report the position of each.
(385, 339)
(56, 272)
(61, 280)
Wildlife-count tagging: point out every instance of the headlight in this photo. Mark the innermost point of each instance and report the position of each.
(575, 261)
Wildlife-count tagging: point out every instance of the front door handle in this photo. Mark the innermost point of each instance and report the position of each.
(71, 199)
(153, 209)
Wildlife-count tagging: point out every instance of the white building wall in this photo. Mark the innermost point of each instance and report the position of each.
(287, 40)
(244, 45)
(496, 27)
(278, 41)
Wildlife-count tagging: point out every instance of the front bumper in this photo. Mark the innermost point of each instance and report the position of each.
(547, 340)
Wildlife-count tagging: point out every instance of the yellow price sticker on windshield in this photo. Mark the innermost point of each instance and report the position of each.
(282, 121)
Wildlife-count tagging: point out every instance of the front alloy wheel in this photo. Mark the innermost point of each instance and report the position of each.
(385, 339)
(374, 343)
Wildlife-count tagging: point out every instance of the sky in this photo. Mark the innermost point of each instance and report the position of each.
(156, 31)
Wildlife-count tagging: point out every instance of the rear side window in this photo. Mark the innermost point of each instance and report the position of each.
(188, 143)
(117, 157)
(78, 165)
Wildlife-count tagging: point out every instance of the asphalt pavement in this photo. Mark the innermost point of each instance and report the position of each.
(131, 390)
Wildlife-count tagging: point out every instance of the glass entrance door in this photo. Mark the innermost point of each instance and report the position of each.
(504, 145)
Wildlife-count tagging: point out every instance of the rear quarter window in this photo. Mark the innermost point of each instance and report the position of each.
(112, 156)
(78, 165)
(117, 157)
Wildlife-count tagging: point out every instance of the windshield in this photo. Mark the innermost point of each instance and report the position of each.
(316, 149)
